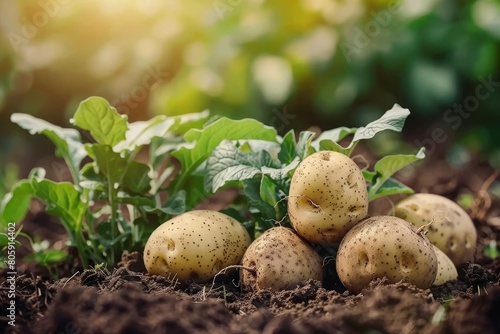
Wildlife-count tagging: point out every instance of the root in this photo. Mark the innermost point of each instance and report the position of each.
(69, 279)
(363, 160)
(482, 202)
(424, 229)
(223, 271)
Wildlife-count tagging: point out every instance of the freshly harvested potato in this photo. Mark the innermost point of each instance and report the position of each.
(446, 269)
(195, 246)
(327, 197)
(452, 230)
(385, 246)
(279, 259)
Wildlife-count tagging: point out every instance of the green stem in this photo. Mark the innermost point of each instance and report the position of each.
(114, 209)
(78, 238)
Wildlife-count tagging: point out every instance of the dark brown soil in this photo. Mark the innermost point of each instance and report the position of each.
(127, 300)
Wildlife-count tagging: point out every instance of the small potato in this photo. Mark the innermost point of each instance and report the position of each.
(195, 246)
(446, 269)
(327, 197)
(385, 246)
(279, 260)
(452, 230)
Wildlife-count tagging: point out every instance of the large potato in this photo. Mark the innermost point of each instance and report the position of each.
(385, 246)
(327, 197)
(279, 259)
(452, 230)
(195, 246)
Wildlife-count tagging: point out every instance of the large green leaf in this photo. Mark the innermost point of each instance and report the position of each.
(63, 200)
(96, 115)
(67, 141)
(201, 142)
(227, 163)
(393, 119)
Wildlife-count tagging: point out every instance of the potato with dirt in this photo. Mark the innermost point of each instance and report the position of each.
(279, 259)
(451, 230)
(385, 246)
(195, 246)
(327, 197)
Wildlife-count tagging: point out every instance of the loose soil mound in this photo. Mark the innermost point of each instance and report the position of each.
(127, 300)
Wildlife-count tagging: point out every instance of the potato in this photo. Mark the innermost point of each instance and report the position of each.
(279, 260)
(327, 197)
(452, 229)
(385, 246)
(446, 269)
(195, 246)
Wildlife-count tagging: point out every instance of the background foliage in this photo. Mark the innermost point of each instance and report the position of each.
(320, 62)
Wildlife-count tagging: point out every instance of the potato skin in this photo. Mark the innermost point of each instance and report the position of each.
(452, 230)
(280, 260)
(195, 246)
(446, 269)
(328, 196)
(385, 246)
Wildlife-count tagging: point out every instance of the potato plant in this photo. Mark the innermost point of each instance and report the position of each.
(114, 201)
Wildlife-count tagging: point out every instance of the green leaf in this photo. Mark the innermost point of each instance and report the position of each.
(110, 164)
(16, 203)
(328, 140)
(393, 119)
(184, 123)
(67, 141)
(201, 142)
(303, 146)
(390, 187)
(96, 115)
(227, 163)
(47, 257)
(136, 179)
(268, 192)
(175, 205)
(63, 200)
(262, 211)
(281, 173)
(138, 201)
(288, 150)
(143, 132)
(388, 166)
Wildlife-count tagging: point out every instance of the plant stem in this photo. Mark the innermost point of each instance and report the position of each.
(112, 203)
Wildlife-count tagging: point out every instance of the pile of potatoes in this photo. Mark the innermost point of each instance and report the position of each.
(328, 206)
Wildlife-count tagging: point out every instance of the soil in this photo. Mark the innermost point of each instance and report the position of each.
(128, 300)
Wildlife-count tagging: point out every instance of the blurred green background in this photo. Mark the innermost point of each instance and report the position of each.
(295, 65)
